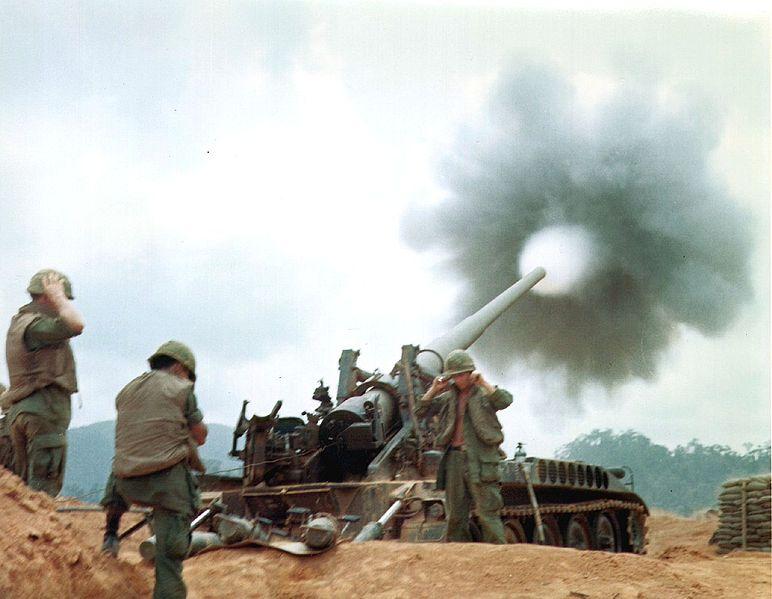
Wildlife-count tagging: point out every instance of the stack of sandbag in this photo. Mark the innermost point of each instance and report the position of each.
(745, 517)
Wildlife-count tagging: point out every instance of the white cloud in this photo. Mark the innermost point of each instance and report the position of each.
(314, 155)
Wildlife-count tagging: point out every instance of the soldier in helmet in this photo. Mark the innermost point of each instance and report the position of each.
(470, 434)
(41, 368)
(157, 431)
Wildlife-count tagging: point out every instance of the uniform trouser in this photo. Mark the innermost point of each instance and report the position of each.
(40, 452)
(172, 534)
(6, 445)
(460, 492)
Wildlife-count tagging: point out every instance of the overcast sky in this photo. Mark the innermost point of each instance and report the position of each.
(238, 175)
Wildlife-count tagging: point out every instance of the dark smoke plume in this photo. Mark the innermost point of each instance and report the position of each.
(636, 175)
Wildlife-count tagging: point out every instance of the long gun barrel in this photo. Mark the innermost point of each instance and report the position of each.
(469, 330)
(464, 334)
(373, 414)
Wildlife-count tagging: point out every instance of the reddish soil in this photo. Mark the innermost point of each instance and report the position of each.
(48, 554)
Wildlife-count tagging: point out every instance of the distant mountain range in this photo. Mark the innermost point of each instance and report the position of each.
(90, 454)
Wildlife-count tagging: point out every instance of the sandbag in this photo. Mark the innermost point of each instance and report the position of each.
(754, 516)
(732, 483)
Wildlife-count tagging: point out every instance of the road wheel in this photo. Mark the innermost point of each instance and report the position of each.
(606, 533)
(514, 532)
(552, 534)
(636, 531)
(578, 534)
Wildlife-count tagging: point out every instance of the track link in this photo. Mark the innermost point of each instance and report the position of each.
(636, 519)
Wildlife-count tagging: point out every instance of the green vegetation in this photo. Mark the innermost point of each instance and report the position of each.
(682, 480)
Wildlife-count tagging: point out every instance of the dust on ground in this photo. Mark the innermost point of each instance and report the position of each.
(44, 554)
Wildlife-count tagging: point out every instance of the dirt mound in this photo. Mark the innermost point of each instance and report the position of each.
(670, 535)
(680, 564)
(42, 554)
(391, 570)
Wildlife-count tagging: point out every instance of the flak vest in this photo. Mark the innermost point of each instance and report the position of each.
(484, 421)
(151, 432)
(30, 371)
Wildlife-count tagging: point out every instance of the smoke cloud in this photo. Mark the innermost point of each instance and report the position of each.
(662, 243)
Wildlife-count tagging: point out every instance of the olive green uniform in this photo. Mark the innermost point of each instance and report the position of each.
(6, 448)
(470, 473)
(42, 372)
(172, 491)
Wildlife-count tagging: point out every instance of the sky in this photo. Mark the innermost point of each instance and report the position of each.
(274, 182)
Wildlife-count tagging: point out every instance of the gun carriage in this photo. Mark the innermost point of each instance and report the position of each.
(366, 461)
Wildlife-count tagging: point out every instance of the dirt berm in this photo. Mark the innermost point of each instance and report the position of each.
(48, 554)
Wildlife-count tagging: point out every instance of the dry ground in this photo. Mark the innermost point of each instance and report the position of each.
(48, 554)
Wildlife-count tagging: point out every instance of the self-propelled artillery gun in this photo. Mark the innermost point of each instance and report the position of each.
(368, 464)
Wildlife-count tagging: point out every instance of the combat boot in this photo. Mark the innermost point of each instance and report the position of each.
(111, 543)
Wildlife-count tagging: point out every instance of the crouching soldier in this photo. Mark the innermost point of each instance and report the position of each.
(157, 430)
(470, 434)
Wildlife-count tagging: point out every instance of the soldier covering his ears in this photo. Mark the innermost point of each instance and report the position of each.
(470, 434)
(41, 368)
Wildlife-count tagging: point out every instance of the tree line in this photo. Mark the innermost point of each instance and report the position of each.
(682, 480)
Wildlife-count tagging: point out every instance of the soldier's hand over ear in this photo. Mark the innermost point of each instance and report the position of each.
(479, 379)
(439, 384)
(53, 288)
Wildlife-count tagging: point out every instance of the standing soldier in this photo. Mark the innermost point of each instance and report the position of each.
(41, 369)
(157, 431)
(470, 434)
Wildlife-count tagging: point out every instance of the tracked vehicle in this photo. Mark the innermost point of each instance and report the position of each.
(367, 461)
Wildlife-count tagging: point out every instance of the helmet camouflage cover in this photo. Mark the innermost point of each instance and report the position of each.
(458, 361)
(177, 351)
(35, 286)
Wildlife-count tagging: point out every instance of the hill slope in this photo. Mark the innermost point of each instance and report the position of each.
(90, 454)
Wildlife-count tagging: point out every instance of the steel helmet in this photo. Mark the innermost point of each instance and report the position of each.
(177, 351)
(458, 361)
(35, 286)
